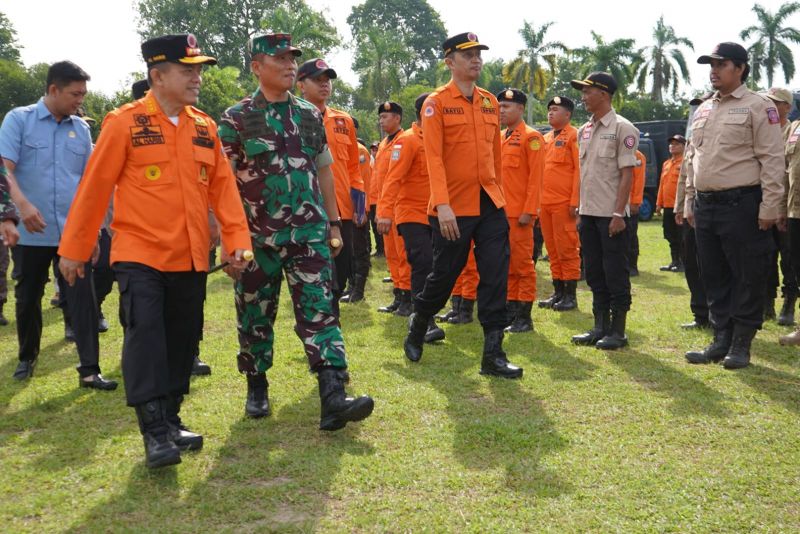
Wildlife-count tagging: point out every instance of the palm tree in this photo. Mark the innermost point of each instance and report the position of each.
(663, 61)
(772, 38)
(379, 61)
(528, 68)
(614, 57)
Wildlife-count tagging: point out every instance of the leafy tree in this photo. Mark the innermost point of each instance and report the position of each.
(378, 62)
(17, 86)
(771, 40)
(492, 76)
(663, 62)
(9, 47)
(310, 30)
(414, 24)
(220, 90)
(406, 98)
(614, 57)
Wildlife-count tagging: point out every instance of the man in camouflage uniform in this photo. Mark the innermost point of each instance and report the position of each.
(8, 236)
(277, 145)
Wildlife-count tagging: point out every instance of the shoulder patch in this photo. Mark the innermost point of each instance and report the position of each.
(772, 116)
(429, 111)
(534, 144)
(629, 141)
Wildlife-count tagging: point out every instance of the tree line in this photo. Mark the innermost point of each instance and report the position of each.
(396, 55)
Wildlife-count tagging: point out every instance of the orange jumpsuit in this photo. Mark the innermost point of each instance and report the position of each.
(365, 166)
(637, 186)
(341, 134)
(560, 191)
(393, 245)
(668, 186)
(523, 163)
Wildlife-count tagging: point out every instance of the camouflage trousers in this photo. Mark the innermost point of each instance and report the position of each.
(4, 259)
(307, 267)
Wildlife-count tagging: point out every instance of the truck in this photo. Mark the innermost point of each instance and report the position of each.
(653, 136)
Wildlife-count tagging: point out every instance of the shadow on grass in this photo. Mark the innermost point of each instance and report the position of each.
(540, 351)
(506, 429)
(657, 282)
(781, 387)
(271, 475)
(690, 396)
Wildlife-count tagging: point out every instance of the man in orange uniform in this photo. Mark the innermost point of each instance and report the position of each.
(559, 211)
(372, 197)
(462, 145)
(523, 164)
(163, 161)
(636, 198)
(670, 172)
(314, 80)
(361, 240)
(404, 204)
(462, 299)
(390, 114)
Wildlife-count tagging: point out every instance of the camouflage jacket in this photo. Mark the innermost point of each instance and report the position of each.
(7, 210)
(276, 149)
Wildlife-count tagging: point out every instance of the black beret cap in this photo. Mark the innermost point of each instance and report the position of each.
(462, 41)
(562, 101)
(180, 48)
(139, 89)
(390, 107)
(512, 95)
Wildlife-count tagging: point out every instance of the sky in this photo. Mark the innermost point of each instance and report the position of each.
(100, 35)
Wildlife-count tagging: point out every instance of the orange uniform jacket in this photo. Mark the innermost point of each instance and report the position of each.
(406, 188)
(341, 134)
(462, 144)
(365, 166)
(670, 172)
(562, 173)
(164, 179)
(637, 187)
(523, 164)
(381, 166)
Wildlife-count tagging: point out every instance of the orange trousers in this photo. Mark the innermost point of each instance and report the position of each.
(395, 250)
(467, 282)
(562, 242)
(521, 269)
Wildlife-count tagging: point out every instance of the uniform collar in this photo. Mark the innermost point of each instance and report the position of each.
(456, 92)
(738, 93)
(416, 128)
(608, 118)
(258, 95)
(42, 111)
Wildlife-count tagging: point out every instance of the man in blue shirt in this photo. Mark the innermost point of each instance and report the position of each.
(45, 147)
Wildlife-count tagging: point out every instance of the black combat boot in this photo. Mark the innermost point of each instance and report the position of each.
(3, 320)
(512, 308)
(716, 351)
(558, 293)
(337, 409)
(522, 321)
(159, 450)
(769, 309)
(494, 361)
(394, 305)
(464, 312)
(406, 304)
(570, 299)
(417, 328)
(357, 290)
(738, 356)
(455, 303)
(602, 325)
(200, 368)
(786, 317)
(182, 437)
(257, 404)
(434, 333)
(616, 338)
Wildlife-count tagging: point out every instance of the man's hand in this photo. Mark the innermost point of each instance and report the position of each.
(679, 218)
(96, 253)
(71, 269)
(782, 223)
(658, 210)
(31, 218)
(384, 224)
(336, 233)
(616, 226)
(236, 263)
(634, 209)
(447, 222)
(766, 224)
(9, 233)
(525, 219)
(573, 211)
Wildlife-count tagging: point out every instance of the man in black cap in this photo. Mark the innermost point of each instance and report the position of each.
(665, 200)
(735, 194)
(162, 159)
(607, 153)
(139, 89)
(461, 122)
(314, 78)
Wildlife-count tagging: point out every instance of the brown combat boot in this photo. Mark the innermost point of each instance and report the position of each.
(790, 339)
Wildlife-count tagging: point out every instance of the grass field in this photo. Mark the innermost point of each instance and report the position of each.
(630, 441)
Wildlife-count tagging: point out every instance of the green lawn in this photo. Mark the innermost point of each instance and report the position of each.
(629, 441)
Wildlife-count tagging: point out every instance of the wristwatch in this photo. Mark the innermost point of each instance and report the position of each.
(337, 223)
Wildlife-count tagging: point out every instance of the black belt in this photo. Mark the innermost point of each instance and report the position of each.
(728, 195)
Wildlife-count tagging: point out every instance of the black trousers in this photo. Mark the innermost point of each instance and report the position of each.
(103, 274)
(632, 226)
(163, 316)
(606, 263)
(489, 231)
(419, 252)
(361, 246)
(672, 233)
(781, 257)
(698, 301)
(538, 241)
(793, 240)
(374, 225)
(344, 261)
(31, 269)
(734, 255)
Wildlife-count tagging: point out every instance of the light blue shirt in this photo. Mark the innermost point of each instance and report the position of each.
(50, 158)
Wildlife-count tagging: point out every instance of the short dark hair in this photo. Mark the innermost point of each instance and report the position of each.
(162, 67)
(64, 73)
(746, 71)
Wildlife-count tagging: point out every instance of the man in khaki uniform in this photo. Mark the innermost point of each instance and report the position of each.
(735, 194)
(792, 152)
(607, 151)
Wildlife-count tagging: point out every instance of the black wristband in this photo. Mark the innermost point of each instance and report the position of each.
(337, 223)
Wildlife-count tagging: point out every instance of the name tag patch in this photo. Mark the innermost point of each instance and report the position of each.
(146, 136)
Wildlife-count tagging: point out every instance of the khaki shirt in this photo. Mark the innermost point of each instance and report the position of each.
(680, 192)
(792, 152)
(737, 141)
(606, 146)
